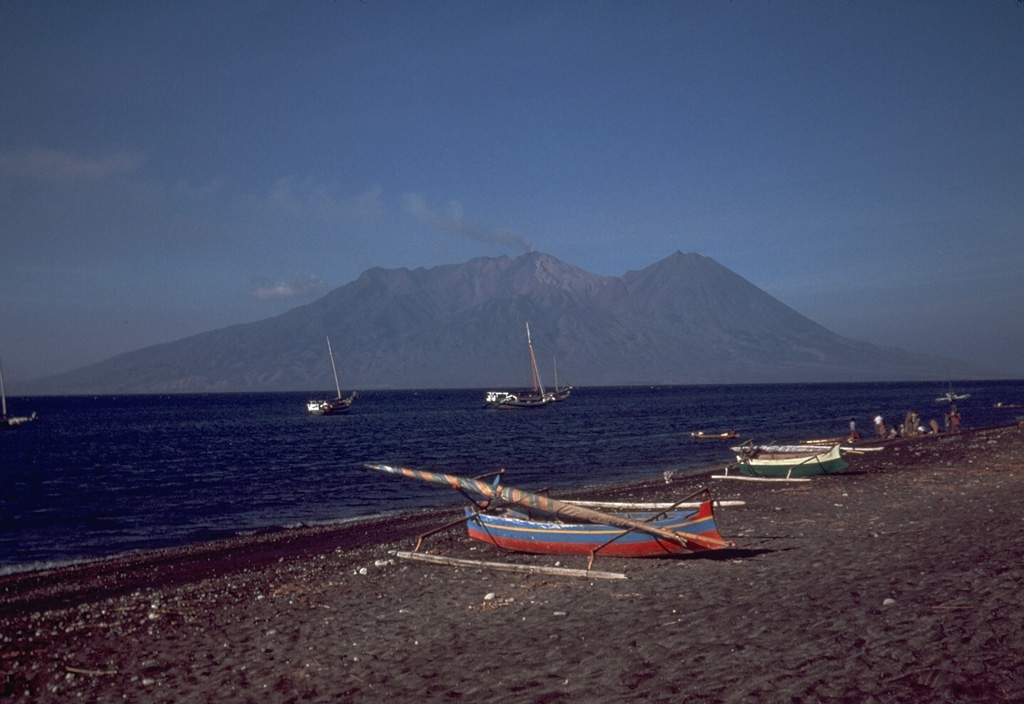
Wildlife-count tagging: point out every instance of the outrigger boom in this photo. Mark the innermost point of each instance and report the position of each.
(555, 507)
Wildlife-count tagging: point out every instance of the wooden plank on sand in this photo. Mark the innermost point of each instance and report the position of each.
(506, 567)
(740, 478)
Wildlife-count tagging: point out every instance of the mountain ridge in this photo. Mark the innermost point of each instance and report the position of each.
(683, 320)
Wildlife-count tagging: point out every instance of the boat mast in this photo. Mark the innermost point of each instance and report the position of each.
(533, 362)
(3, 393)
(337, 386)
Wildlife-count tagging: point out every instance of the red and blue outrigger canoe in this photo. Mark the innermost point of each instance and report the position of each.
(565, 528)
(518, 531)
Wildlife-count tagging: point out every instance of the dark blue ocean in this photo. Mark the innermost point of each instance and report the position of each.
(104, 475)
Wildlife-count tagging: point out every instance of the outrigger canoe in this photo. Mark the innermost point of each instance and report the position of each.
(520, 531)
(571, 529)
(789, 461)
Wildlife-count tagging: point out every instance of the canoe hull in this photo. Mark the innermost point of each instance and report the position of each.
(778, 466)
(519, 533)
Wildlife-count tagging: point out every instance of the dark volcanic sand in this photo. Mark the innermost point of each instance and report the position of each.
(899, 580)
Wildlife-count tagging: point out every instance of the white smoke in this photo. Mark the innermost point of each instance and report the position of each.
(454, 222)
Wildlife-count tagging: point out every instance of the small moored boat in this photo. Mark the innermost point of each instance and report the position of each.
(533, 398)
(789, 461)
(560, 393)
(7, 421)
(725, 435)
(337, 405)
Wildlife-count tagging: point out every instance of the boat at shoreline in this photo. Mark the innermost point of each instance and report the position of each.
(527, 522)
(789, 461)
(335, 406)
(523, 531)
(7, 421)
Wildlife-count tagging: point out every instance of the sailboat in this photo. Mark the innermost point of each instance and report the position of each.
(326, 407)
(535, 398)
(7, 421)
(951, 396)
(559, 394)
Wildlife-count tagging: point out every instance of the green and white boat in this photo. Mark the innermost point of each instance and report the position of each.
(789, 461)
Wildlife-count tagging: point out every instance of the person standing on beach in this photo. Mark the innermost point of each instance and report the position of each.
(880, 426)
(910, 424)
(954, 418)
(854, 435)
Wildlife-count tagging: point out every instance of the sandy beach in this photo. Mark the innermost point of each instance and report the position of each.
(898, 580)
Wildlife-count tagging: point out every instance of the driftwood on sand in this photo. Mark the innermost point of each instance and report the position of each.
(510, 566)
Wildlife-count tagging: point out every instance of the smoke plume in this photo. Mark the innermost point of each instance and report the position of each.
(414, 204)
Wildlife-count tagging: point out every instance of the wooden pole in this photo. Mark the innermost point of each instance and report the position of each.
(508, 567)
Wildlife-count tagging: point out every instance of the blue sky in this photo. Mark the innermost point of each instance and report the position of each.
(170, 168)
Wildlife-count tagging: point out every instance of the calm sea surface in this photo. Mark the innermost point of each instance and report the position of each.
(105, 475)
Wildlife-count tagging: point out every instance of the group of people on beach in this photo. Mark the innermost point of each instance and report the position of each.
(912, 425)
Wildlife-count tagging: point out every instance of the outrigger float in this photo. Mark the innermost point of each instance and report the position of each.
(522, 521)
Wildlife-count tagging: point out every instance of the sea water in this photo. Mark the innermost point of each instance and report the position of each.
(98, 476)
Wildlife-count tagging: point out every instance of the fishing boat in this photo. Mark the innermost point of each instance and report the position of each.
(540, 524)
(521, 531)
(789, 461)
(725, 435)
(337, 405)
(533, 398)
(7, 421)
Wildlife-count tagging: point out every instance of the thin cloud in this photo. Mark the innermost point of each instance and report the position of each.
(306, 199)
(55, 166)
(454, 222)
(299, 286)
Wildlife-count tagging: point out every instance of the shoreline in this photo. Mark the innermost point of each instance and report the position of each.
(896, 579)
(391, 521)
(303, 532)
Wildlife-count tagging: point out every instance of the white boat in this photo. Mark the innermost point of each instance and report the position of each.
(788, 462)
(534, 398)
(7, 421)
(951, 396)
(337, 405)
